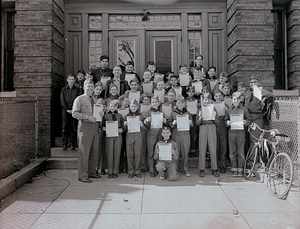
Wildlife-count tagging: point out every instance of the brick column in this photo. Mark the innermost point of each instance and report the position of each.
(293, 25)
(250, 41)
(39, 60)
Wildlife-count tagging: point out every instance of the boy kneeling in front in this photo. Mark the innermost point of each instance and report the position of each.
(167, 168)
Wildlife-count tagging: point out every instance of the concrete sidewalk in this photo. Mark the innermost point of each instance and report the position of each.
(57, 200)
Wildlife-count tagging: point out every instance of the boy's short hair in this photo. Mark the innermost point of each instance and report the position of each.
(86, 82)
(81, 71)
(226, 85)
(160, 79)
(134, 80)
(145, 94)
(198, 56)
(130, 62)
(241, 84)
(180, 98)
(217, 91)
(191, 88)
(103, 57)
(112, 85)
(223, 74)
(99, 83)
(154, 97)
(122, 97)
(212, 67)
(174, 76)
(198, 68)
(182, 65)
(114, 102)
(70, 75)
(150, 63)
(146, 70)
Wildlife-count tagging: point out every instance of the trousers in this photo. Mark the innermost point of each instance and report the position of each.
(207, 137)
(88, 136)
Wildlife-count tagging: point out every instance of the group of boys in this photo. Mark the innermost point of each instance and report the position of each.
(148, 123)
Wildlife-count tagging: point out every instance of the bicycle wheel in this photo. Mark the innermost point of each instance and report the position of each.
(251, 159)
(280, 175)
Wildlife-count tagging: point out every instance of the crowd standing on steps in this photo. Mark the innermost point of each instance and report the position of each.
(127, 123)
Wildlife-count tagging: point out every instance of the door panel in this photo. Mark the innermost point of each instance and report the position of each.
(125, 46)
(74, 52)
(163, 47)
(216, 50)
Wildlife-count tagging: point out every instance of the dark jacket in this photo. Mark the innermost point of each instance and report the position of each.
(99, 72)
(123, 87)
(67, 96)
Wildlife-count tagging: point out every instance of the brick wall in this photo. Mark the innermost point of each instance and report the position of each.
(250, 41)
(293, 24)
(39, 61)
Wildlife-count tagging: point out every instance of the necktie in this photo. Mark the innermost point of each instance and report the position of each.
(92, 103)
(114, 118)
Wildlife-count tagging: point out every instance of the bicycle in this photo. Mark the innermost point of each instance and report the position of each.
(264, 160)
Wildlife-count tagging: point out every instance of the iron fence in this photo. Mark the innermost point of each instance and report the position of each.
(286, 118)
(18, 134)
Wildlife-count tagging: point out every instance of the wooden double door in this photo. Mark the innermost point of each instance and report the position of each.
(140, 46)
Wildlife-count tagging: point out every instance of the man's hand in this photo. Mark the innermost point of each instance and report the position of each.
(174, 122)
(91, 118)
(69, 111)
(228, 123)
(125, 123)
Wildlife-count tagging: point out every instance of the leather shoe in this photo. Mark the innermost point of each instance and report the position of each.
(85, 180)
(202, 173)
(72, 147)
(215, 173)
(96, 176)
(222, 170)
(64, 148)
(130, 175)
(109, 176)
(103, 172)
(115, 175)
(138, 175)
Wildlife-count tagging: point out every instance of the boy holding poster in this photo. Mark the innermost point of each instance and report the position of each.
(166, 154)
(112, 123)
(236, 117)
(221, 131)
(194, 128)
(133, 124)
(153, 121)
(147, 85)
(207, 117)
(180, 122)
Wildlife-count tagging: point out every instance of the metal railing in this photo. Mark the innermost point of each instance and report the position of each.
(18, 134)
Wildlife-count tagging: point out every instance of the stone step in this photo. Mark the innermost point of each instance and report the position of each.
(62, 163)
(58, 152)
(67, 159)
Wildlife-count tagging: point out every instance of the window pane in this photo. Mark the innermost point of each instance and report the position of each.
(279, 49)
(95, 21)
(163, 56)
(8, 81)
(194, 45)
(95, 49)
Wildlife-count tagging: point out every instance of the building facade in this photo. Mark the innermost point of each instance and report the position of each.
(42, 41)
